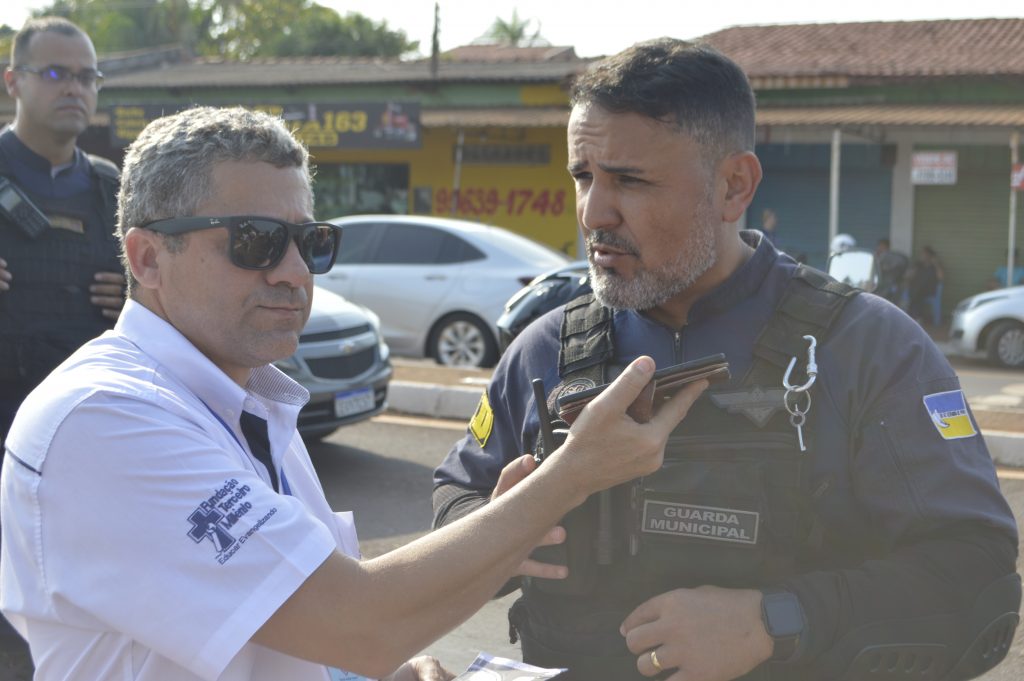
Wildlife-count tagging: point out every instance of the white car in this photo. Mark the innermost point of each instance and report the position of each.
(344, 363)
(438, 285)
(991, 323)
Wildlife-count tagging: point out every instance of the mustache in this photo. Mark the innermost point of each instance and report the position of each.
(603, 238)
(279, 297)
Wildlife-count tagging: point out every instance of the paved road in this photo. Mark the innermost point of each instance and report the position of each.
(383, 468)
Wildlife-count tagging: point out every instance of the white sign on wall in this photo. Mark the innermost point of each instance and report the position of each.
(933, 167)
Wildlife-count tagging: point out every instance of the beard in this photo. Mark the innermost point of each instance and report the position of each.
(650, 287)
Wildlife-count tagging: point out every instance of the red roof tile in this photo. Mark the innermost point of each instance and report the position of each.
(507, 53)
(877, 49)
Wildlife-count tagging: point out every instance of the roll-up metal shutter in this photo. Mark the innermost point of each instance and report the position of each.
(796, 187)
(967, 223)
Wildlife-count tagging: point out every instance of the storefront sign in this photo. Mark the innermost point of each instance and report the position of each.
(348, 125)
(933, 167)
(1017, 176)
(474, 202)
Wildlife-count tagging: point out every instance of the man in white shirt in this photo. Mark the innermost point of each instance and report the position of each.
(161, 517)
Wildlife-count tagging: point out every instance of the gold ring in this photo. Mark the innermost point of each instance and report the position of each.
(654, 661)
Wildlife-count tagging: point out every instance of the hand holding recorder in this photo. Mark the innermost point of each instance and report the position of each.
(665, 383)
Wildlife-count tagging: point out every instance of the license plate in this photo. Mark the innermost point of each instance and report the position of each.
(353, 402)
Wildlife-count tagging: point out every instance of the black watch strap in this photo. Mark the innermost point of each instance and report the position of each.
(784, 621)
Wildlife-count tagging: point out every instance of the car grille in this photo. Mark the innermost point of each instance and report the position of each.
(343, 366)
(334, 335)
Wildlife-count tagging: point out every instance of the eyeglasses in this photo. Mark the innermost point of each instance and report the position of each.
(90, 78)
(259, 243)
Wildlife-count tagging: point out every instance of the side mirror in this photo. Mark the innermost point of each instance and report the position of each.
(855, 267)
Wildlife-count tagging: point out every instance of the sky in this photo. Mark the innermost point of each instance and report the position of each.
(598, 27)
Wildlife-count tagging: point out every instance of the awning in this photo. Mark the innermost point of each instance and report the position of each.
(945, 116)
(506, 117)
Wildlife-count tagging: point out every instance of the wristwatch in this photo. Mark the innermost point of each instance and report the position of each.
(783, 620)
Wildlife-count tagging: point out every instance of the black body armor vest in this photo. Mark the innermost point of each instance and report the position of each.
(731, 505)
(47, 313)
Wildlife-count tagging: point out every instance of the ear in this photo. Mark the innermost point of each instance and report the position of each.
(742, 174)
(142, 246)
(11, 81)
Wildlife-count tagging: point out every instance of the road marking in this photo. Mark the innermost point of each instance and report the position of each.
(1010, 473)
(422, 422)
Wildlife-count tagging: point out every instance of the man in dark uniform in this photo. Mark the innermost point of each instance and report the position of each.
(830, 512)
(63, 286)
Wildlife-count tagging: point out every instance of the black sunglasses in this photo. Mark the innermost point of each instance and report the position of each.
(259, 243)
(61, 74)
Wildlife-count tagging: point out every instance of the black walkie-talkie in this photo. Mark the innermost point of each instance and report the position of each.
(20, 210)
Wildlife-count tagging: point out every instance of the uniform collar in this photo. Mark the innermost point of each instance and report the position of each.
(742, 283)
(176, 355)
(20, 155)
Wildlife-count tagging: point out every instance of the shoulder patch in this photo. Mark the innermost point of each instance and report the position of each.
(949, 415)
(483, 421)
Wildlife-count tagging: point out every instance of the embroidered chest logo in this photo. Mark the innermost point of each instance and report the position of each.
(757, 403)
(949, 415)
(216, 517)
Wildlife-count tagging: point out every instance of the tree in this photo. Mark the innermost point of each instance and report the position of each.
(116, 26)
(514, 32)
(320, 31)
(236, 29)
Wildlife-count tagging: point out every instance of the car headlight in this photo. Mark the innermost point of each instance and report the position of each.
(382, 347)
(975, 304)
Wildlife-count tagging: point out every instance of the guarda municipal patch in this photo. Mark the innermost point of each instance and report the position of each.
(949, 415)
(483, 421)
(701, 522)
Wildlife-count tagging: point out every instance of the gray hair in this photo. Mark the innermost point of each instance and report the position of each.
(167, 169)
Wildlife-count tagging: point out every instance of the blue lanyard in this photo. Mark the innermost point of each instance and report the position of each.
(285, 488)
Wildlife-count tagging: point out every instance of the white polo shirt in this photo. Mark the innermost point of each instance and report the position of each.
(141, 540)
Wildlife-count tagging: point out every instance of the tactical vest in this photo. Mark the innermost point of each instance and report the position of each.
(730, 506)
(47, 313)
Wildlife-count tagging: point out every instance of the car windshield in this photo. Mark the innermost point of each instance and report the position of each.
(532, 251)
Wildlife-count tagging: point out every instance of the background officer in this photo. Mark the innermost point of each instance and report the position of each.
(811, 509)
(64, 286)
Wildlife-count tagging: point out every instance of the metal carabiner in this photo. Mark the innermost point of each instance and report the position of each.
(812, 369)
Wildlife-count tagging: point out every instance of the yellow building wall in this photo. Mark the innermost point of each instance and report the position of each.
(534, 200)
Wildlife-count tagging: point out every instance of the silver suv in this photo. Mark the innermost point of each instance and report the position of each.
(344, 363)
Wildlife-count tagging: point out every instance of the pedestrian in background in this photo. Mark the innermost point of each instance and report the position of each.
(925, 284)
(62, 285)
(60, 279)
(769, 223)
(999, 277)
(892, 271)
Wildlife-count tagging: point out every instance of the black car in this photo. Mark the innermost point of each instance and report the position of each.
(546, 292)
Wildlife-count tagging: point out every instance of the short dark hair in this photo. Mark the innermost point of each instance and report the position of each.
(19, 47)
(700, 91)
